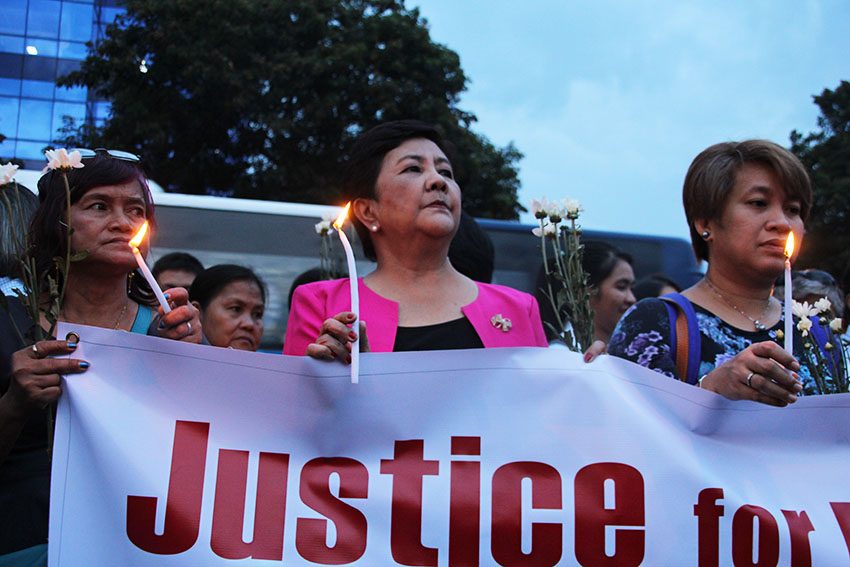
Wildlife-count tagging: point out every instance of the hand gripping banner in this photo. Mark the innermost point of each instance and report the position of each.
(175, 454)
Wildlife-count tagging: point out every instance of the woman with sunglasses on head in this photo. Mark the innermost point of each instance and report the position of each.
(109, 202)
(742, 200)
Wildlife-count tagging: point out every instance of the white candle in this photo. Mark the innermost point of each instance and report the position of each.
(355, 294)
(134, 245)
(789, 322)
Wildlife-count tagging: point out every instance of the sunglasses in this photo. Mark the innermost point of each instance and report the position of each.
(86, 153)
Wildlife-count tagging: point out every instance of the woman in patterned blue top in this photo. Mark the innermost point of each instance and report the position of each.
(741, 200)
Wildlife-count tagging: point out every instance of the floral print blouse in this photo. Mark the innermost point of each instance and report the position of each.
(643, 336)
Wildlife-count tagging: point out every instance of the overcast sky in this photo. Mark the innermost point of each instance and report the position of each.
(611, 100)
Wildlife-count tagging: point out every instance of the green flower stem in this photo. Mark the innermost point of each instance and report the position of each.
(67, 266)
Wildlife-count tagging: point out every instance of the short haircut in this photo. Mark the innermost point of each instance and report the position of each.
(366, 156)
(712, 175)
(16, 211)
(213, 280)
(177, 261)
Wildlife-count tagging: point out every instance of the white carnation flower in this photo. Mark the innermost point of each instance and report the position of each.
(570, 208)
(550, 230)
(803, 310)
(323, 227)
(836, 325)
(7, 173)
(61, 159)
(823, 305)
(804, 325)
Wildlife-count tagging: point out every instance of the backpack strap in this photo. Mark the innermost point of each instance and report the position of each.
(684, 336)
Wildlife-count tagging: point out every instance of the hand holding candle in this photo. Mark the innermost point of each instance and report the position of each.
(789, 323)
(355, 296)
(134, 244)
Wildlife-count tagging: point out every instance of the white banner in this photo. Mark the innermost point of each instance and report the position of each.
(176, 454)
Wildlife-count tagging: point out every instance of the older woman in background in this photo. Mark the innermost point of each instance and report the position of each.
(742, 200)
(109, 202)
(232, 300)
(407, 206)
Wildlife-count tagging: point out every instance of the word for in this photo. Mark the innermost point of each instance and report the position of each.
(709, 512)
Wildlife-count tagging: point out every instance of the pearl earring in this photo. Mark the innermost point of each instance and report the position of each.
(705, 234)
(374, 228)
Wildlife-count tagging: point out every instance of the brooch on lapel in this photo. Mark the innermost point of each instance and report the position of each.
(500, 322)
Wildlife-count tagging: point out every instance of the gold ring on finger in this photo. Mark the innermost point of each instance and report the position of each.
(35, 350)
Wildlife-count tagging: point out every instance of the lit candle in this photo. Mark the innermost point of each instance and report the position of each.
(134, 244)
(789, 323)
(355, 295)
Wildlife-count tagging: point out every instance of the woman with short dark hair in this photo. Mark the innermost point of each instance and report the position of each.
(406, 207)
(232, 301)
(742, 200)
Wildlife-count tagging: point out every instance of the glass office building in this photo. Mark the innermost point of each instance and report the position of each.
(41, 40)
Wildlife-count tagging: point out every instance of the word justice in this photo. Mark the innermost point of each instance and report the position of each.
(594, 521)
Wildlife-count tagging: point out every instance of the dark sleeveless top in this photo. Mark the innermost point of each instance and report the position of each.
(457, 334)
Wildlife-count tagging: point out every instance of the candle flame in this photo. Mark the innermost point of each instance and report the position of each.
(340, 220)
(137, 240)
(789, 245)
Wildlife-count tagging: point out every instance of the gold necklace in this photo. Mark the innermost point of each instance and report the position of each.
(117, 321)
(759, 326)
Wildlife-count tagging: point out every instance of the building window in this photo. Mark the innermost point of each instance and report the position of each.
(74, 111)
(77, 94)
(43, 18)
(72, 50)
(9, 116)
(35, 119)
(37, 89)
(12, 43)
(10, 87)
(76, 22)
(33, 151)
(14, 20)
(40, 47)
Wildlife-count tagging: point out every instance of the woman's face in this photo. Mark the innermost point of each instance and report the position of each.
(612, 298)
(749, 239)
(234, 317)
(416, 192)
(104, 220)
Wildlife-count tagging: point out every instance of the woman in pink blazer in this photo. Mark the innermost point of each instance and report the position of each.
(406, 209)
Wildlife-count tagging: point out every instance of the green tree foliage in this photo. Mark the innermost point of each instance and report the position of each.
(826, 154)
(260, 98)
